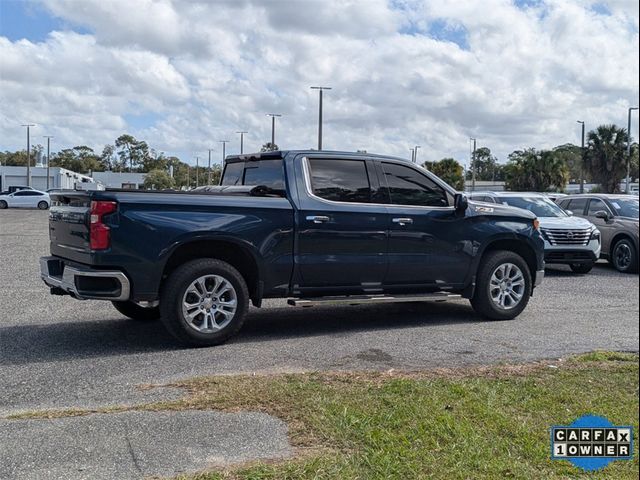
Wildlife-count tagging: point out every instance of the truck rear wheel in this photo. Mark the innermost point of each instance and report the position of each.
(503, 286)
(204, 302)
(136, 312)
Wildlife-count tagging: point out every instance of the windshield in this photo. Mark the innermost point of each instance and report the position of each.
(626, 207)
(541, 207)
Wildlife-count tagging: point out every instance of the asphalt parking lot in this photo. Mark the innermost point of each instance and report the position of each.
(59, 352)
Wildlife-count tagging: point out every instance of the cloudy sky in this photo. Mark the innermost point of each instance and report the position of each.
(183, 74)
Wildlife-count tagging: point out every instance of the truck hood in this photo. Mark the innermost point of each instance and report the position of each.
(577, 223)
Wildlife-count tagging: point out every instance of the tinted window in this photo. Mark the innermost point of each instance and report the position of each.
(596, 205)
(233, 173)
(577, 205)
(409, 187)
(340, 180)
(269, 173)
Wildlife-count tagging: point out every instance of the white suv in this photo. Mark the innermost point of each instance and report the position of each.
(568, 240)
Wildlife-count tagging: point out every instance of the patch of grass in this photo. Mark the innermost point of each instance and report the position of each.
(606, 356)
(481, 423)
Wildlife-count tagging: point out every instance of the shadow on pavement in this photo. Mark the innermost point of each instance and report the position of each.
(100, 338)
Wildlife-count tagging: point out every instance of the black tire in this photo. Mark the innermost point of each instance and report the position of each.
(3, 205)
(624, 256)
(582, 268)
(482, 300)
(136, 312)
(174, 290)
(43, 205)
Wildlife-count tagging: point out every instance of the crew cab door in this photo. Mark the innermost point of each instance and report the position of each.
(341, 239)
(428, 242)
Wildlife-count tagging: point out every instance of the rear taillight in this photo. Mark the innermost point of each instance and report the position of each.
(99, 233)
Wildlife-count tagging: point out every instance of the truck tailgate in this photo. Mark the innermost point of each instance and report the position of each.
(69, 225)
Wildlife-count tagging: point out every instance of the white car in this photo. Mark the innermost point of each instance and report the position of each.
(568, 240)
(26, 199)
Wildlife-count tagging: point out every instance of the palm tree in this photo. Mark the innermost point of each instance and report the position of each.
(536, 170)
(605, 158)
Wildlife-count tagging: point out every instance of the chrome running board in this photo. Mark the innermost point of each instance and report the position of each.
(371, 299)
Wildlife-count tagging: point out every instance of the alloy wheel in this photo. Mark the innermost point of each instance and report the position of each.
(507, 286)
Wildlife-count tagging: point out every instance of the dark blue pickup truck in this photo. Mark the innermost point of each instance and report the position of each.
(314, 227)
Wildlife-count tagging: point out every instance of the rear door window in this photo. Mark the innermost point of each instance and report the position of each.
(577, 205)
(340, 180)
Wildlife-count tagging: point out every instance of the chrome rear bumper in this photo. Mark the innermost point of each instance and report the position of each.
(84, 283)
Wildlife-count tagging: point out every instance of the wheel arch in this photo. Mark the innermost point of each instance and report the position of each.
(621, 236)
(236, 253)
(516, 245)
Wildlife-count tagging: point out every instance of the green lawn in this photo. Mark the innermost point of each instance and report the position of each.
(475, 423)
(469, 423)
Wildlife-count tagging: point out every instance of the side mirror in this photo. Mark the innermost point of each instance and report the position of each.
(460, 203)
(570, 213)
(603, 215)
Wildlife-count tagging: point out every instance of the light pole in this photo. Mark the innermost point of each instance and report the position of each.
(28, 125)
(224, 149)
(197, 171)
(48, 137)
(581, 159)
(473, 166)
(415, 153)
(627, 190)
(320, 90)
(273, 127)
(242, 141)
(412, 154)
(209, 176)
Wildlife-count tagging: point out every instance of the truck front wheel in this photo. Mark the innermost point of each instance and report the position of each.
(204, 302)
(503, 286)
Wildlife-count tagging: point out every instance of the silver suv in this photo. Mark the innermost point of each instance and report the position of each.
(568, 240)
(616, 216)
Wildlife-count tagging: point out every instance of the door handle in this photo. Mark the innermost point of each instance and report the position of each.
(318, 218)
(402, 221)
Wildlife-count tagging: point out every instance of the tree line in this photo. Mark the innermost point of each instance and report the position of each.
(125, 154)
(603, 161)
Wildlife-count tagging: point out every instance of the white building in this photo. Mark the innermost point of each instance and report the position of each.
(58, 178)
(120, 179)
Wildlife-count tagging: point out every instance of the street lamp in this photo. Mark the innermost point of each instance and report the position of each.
(209, 176)
(48, 137)
(415, 153)
(582, 159)
(242, 141)
(628, 187)
(320, 90)
(473, 166)
(224, 149)
(28, 125)
(273, 127)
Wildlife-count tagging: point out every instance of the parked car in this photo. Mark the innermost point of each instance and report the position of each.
(554, 197)
(568, 240)
(15, 188)
(616, 216)
(26, 198)
(315, 227)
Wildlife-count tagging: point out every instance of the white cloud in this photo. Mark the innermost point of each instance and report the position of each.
(207, 69)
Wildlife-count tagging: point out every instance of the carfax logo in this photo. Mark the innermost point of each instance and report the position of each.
(591, 442)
